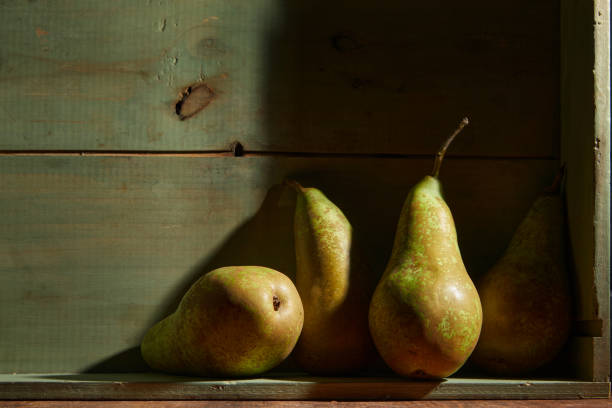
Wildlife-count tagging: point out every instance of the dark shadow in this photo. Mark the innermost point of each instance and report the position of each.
(343, 78)
(121, 376)
(128, 361)
(264, 240)
(346, 77)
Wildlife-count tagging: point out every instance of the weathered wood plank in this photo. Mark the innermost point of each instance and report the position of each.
(586, 152)
(283, 76)
(155, 386)
(93, 250)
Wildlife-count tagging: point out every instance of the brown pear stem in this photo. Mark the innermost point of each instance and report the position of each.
(440, 155)
(294, 185)
(555, 187)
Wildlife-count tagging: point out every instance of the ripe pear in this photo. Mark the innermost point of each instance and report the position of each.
(425, 315)
(332, 281)
(525, 295)
(233, 321)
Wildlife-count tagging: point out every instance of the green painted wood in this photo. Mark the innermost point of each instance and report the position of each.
(283, 76)
(155, 386)
(586, 151)
(94, 250)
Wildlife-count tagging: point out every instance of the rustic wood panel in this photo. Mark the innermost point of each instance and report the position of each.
(313, 76)
(155, 386)
(93, 250)
(586, 152)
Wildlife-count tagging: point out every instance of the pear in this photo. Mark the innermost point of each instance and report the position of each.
(525, 295)
(425, 315)
(233, 321)
(332, 281)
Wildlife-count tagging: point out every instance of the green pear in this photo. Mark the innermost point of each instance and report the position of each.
(332, 281)
(525, 295)
(233, 321)
(425, 315)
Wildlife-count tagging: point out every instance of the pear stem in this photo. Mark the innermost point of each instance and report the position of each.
(294, 185)
(555, 187)
(440, 155)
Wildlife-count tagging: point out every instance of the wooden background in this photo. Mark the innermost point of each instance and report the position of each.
(314, 76)
(119, 121)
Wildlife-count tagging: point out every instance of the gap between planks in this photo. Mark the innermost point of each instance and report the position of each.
(247, 153)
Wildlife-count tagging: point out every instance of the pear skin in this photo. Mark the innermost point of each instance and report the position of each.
(232, 322)
(425, 315)
(331, 279)
(525, 295)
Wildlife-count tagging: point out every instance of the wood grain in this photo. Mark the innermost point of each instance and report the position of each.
(286, 387)
(282, 77)
(601, 216)
(118, 188)
(94, 250)
(585, 145)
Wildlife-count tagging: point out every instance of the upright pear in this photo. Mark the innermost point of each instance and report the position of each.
(525, 295)
(425, 315)
(331, 279)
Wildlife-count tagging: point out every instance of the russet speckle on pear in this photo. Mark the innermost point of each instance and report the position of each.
(233, 321)
(525, 295)
(332, 281)
(425, 315)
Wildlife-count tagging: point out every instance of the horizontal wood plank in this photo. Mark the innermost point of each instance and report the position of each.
(155, 386)
(280, 77)
(94, 250)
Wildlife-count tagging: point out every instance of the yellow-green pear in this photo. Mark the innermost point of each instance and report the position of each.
(525, 296)
(425, 315)
(332, 280)
(233, 321)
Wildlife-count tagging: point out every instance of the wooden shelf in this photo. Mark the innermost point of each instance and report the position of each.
(149, 386)
(113, 202)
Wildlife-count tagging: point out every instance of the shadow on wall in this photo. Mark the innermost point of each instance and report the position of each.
(336, 79)
(358, 79)
(266, 239)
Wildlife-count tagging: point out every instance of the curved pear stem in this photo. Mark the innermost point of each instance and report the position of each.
(440, 155)
(294, 185)
(555, 187)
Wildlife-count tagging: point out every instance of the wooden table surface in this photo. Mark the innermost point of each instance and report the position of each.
(309, 404)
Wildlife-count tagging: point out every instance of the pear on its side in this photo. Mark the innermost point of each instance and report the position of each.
(425, 315)
(525, 296)
(331, 279)
(233, 321)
